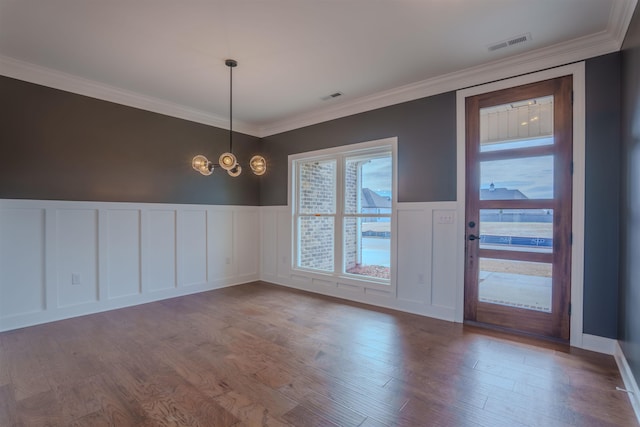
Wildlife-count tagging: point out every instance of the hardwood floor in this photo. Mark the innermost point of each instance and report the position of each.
(259, 354)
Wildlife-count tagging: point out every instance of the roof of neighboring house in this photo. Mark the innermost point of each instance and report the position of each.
(371, 199)
(502, 193)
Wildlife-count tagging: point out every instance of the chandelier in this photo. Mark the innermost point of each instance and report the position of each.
(228, 160)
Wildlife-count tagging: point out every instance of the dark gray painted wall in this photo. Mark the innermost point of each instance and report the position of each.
(62, 146)
(602, 195)
(426, 131)
(629, 317)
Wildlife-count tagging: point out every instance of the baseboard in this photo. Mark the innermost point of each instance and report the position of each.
(365, 296)
(599, 344)
(629, 380)
(38, 318)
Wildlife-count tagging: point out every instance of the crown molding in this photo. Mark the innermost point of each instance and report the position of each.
(537, 60)
(619, 20)
(21, 70)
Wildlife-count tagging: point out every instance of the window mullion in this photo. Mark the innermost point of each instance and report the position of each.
(339, 222)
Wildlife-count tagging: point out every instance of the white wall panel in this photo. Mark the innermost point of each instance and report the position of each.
(193, 247)
(247, 249)
(160, 250)
(123, 253)
(268, 242)
(425, 262)
(413, 265)
(77, 255)
(221, 243)
(444, 246)
(22, 267)
(118, 254)
(283, 243)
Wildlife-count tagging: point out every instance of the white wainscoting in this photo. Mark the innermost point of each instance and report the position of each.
(426, 261)
(61, 259)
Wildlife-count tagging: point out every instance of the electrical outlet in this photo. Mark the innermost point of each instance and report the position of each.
(228, 261)
(76, 279)
(420, 278)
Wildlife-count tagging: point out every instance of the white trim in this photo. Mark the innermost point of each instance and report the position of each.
(619, 20)
(629, 380)
(28, 72)
(577, 70)
(599, 344)
(606, 41)
(339, 154)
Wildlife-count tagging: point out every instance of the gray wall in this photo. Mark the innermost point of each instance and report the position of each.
(602, 195)
(62, 146)
(629, 318)
(426, 131)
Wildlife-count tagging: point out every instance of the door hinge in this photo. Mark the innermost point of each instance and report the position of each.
(571, 238)
(571, 97)
(571, 168)
(569, 309)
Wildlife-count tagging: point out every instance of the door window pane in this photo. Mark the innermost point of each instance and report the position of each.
(528, 230)
(520, 124)
(367, 247)
(317, 184)
(515, 283)
(316, 243)
(513, 179)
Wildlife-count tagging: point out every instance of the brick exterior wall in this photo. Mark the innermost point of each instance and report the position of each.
(316, 196)
(351, 245)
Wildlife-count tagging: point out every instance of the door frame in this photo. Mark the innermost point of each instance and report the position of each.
(577, 70)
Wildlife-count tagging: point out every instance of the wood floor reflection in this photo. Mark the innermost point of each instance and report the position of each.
(259, 354)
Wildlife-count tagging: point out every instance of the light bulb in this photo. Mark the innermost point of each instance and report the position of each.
(235, 171)
(202, 165)
(258, 165)
(227, 161)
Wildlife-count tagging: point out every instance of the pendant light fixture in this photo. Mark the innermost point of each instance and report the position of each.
(228, 160)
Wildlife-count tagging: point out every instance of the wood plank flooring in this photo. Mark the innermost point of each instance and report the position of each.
(263, 355)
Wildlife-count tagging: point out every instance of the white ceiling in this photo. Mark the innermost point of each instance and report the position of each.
(168, 56)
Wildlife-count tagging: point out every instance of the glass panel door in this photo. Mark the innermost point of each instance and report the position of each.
(518, 208)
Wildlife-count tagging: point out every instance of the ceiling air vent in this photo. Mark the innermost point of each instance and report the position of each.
(511, 42)
(333, 95)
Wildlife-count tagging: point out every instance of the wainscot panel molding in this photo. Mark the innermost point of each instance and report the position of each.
(426, 261)
(61, 259)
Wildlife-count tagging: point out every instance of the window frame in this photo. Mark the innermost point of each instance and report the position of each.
(340, 154)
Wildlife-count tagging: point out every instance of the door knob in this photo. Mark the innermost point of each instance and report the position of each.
(473, 237)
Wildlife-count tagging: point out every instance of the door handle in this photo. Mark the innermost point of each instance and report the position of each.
(473, 237)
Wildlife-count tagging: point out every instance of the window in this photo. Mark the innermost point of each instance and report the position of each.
(343, 211)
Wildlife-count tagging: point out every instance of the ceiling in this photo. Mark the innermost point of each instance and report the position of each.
(168, 56)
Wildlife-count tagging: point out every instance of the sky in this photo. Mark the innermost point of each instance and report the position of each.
(376, 175)
(533, 176)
